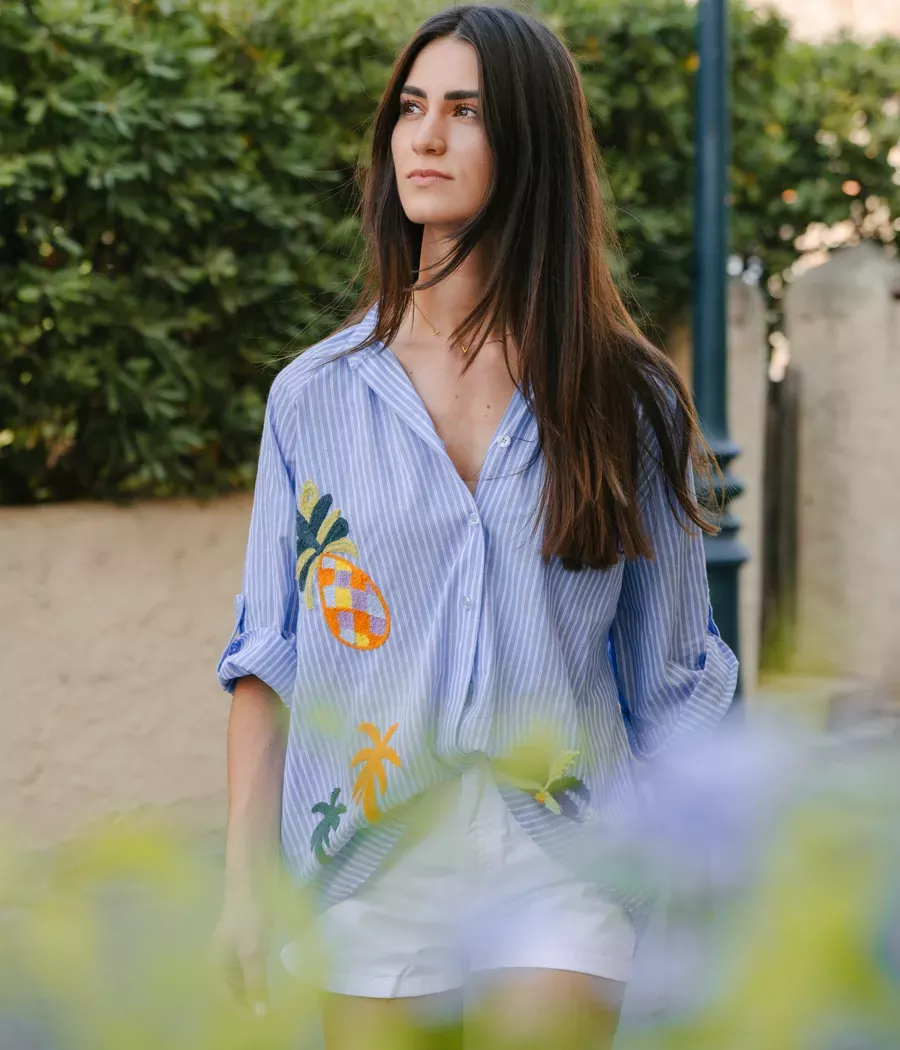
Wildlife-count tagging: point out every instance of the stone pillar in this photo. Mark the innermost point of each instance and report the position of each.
(843, 323)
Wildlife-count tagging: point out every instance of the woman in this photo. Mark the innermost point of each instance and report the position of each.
(475, 570)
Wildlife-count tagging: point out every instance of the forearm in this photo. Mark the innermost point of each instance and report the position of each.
(256, 751)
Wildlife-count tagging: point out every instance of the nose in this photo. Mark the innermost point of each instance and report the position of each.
(429, 138)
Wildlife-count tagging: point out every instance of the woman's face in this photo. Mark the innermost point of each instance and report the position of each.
(440, 131)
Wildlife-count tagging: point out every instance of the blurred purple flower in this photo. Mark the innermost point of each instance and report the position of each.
(704, 808)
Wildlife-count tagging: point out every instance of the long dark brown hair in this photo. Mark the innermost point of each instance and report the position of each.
(590, 376)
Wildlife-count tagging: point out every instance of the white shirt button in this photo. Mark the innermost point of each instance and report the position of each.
(467, 603)
(473, 520)
(504, 441)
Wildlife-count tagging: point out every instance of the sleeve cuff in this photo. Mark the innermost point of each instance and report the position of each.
(264, 653)
(269, 656)
(709, 698)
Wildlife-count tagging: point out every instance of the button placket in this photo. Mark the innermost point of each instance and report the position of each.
(471, 583)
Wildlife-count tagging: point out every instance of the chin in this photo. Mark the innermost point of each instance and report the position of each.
(428, 209)
(437, 217)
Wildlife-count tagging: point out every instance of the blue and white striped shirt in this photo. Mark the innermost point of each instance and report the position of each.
(412, 627)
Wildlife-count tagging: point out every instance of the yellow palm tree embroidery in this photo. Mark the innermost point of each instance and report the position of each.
(373, 774)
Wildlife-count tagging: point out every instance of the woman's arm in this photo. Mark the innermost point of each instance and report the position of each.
(255, 756)
(258, 667)
(675, 674)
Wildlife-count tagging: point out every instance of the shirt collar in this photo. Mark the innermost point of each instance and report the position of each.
(361, 331)
(381, 370)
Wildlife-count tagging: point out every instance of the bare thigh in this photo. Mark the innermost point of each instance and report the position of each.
(543, 1010)
(353, 1022)
(513, 1010)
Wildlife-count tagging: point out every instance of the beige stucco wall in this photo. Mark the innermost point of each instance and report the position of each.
(114, 618)
(816, 19)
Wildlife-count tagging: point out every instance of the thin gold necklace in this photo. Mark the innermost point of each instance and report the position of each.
(464, 349)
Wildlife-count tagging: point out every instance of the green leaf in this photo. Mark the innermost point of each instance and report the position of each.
(551, 804)
(562, 764)
(157, 69)
(200, 55)
(35, 108)
(188, 118)
(523, 783)
(560, 785)
(68, 245)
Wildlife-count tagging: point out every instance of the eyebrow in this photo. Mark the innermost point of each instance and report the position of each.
(450, 96)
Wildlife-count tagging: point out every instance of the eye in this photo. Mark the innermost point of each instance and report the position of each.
(471, 111)
(407, 106)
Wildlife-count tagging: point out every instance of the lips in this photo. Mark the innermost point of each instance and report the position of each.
(427, 176)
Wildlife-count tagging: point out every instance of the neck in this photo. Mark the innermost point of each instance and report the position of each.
(449, 302)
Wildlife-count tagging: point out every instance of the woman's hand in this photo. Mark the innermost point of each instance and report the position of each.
(240, 948)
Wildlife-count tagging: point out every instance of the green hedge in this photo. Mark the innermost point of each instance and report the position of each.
(176, 202)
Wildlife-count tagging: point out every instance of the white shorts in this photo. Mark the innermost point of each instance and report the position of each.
(473, 894)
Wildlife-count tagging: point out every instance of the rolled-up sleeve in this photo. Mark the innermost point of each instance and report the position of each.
(675, 674)
(263, 642)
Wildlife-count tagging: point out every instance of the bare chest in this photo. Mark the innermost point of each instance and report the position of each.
(466, 409)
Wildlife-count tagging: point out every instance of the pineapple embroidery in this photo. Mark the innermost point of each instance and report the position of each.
(562, 793)
(331, 818)
(373, 775)
(353, 607)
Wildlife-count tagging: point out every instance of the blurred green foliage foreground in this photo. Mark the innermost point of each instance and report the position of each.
(177, 202)
(781, 924)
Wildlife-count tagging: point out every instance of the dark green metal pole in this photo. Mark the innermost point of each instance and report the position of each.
(724, 553)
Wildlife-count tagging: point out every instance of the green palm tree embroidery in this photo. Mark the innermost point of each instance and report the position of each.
(320, 530)
(331, 817)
